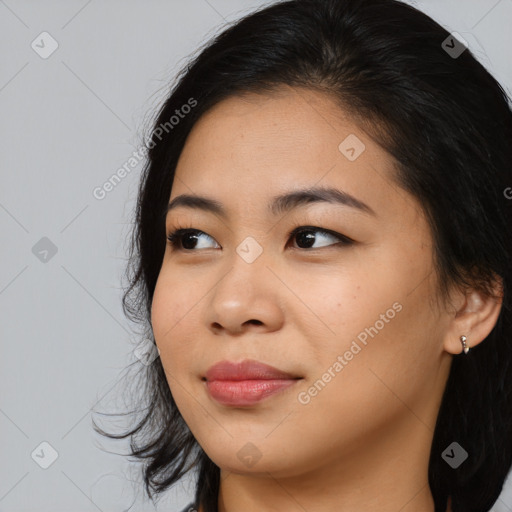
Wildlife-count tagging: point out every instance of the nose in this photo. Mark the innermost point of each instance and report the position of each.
(248, 297)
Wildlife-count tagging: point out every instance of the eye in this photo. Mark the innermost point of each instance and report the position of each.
(185, 239)
(305, 235)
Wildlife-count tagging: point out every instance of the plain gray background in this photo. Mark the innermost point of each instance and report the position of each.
(68, 122)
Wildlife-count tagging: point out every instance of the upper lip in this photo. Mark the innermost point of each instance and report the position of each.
(246, 370)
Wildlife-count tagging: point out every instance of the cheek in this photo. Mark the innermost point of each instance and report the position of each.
(171, 306)
(161, 307)
(175, 319)
(168, 309)
(362, 386)
(165, 313)
(341, 304)
(371, 317)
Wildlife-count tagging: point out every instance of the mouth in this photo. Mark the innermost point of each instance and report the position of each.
(248, 369)
(246, 383)
(246, 392)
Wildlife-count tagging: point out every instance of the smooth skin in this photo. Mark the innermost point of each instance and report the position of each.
(362, 443)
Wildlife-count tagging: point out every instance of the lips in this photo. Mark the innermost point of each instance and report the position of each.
(246, 370)
(246, 383)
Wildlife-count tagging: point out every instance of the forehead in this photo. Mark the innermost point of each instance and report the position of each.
(288, 123)
(253, 147)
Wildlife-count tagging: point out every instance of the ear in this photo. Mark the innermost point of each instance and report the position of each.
(474, 316)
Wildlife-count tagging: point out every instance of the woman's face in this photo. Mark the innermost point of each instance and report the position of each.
(356, 320)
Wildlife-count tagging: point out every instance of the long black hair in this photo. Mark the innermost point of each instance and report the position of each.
(448, 124)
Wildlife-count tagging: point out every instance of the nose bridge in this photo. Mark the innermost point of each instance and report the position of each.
(249, 250)
(246, 290)
(248, 265)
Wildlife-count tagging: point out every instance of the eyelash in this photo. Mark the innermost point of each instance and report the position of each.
(175, 237)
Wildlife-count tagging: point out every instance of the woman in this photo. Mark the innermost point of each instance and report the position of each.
(322, 252)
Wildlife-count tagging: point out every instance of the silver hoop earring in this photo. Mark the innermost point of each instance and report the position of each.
(464, 346)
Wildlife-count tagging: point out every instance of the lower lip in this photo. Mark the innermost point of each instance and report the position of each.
(246, 392)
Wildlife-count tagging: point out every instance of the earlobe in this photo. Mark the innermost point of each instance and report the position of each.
(474, 320)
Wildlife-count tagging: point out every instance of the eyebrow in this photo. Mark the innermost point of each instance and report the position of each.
(279, 204)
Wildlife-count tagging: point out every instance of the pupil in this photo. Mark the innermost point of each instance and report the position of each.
(184, 238)
(306, 237)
